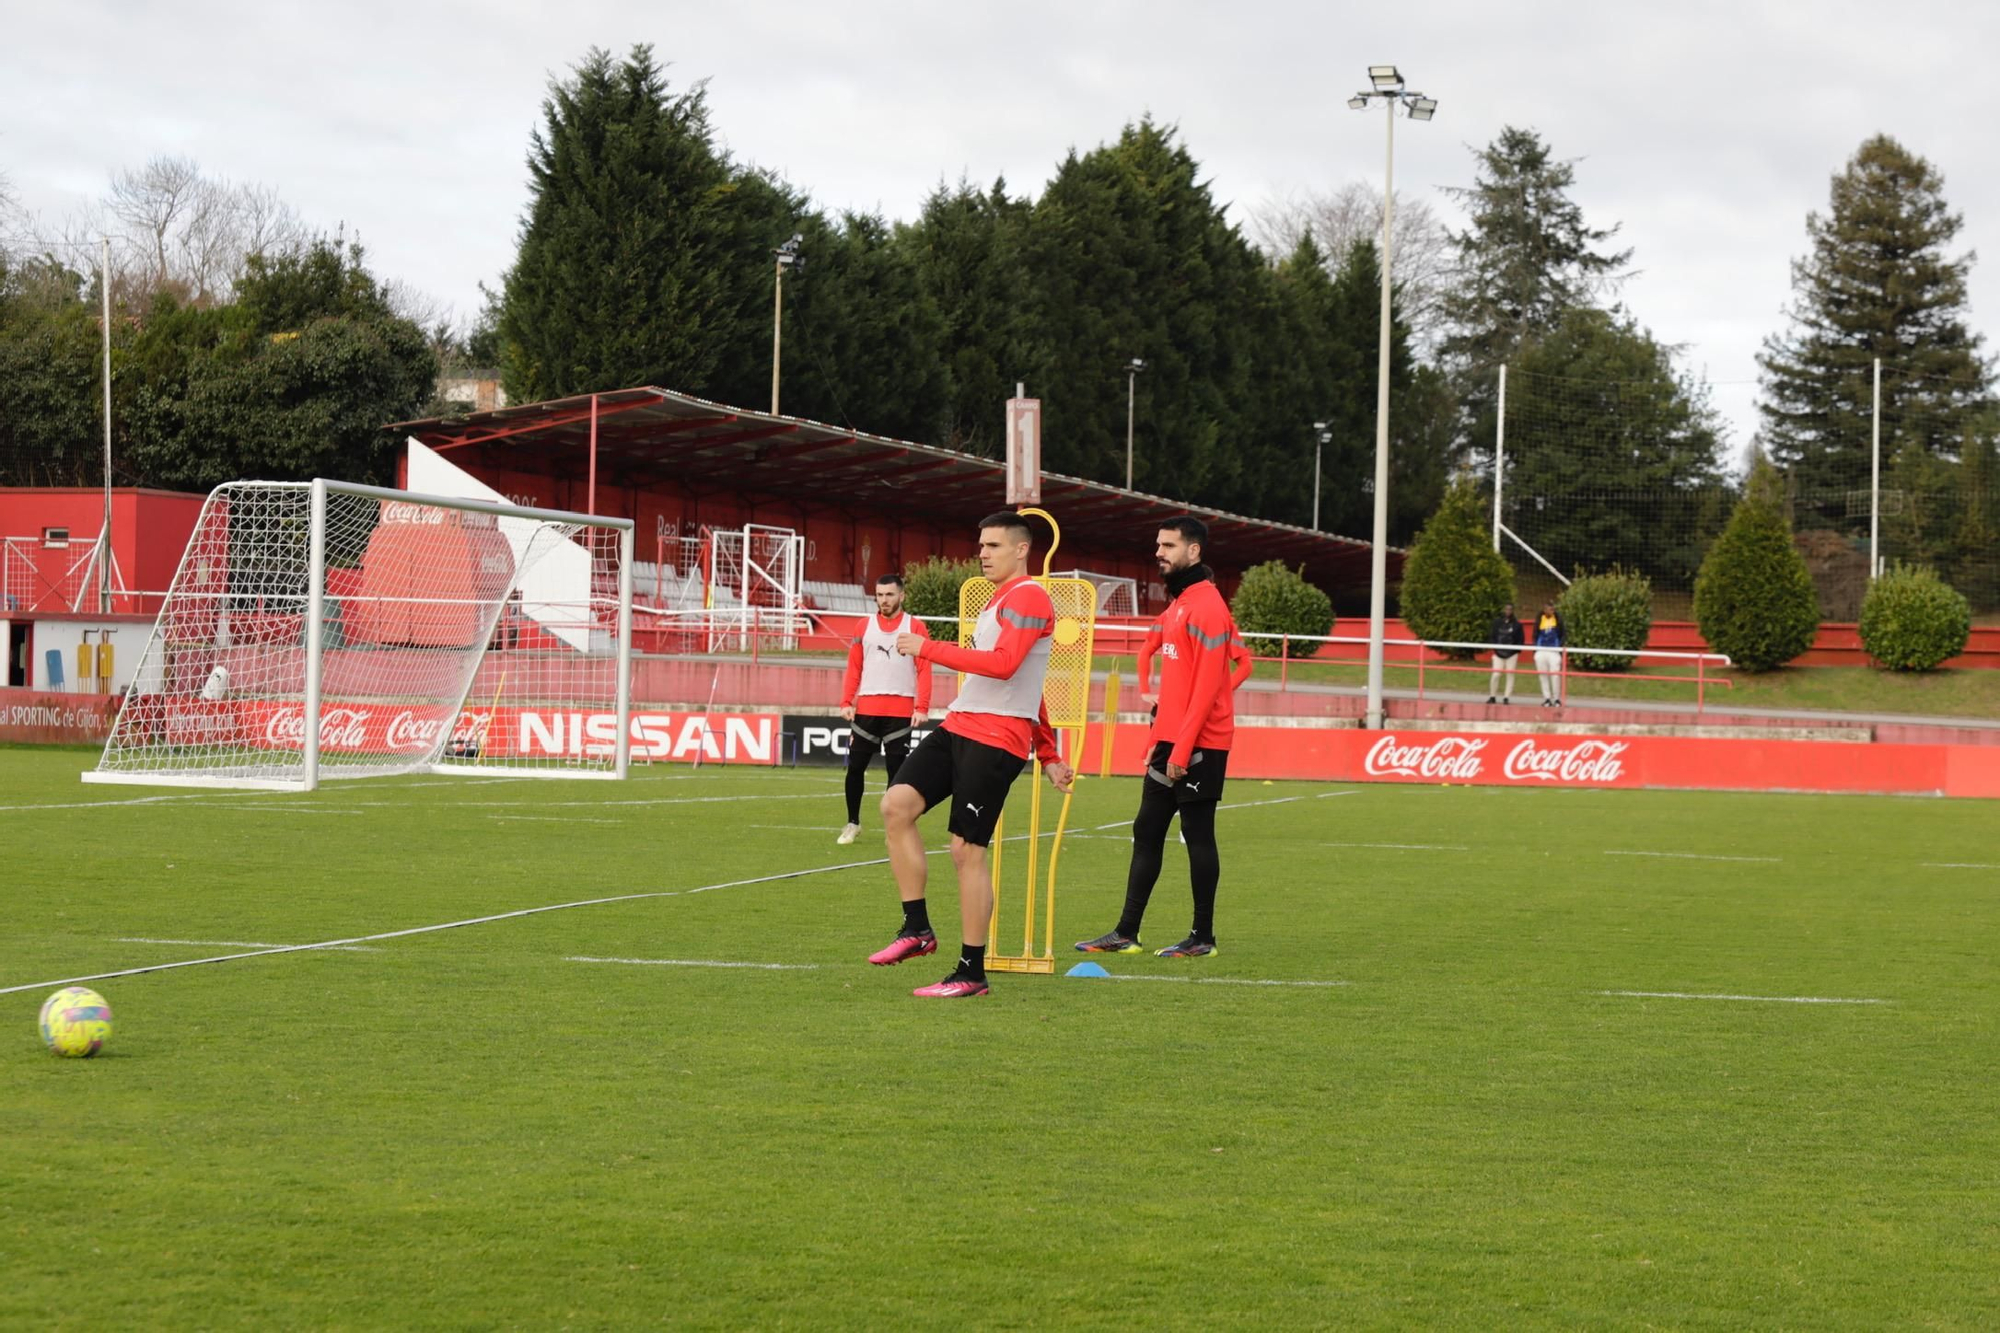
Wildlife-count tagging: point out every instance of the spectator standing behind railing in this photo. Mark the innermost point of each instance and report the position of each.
(1548, 654)
(1508, 631)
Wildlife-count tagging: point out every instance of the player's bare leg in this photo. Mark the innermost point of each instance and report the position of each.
(975, 890)
(975, 912)
(901, 807)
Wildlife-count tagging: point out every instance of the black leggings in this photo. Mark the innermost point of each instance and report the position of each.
(1157, 806)
(861, 752)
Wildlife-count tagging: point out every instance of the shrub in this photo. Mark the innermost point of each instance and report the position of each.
(1912, 620)
(1454, 582)
(931, 586)
(1610, 610)
(1276, 599)
(1754, 598)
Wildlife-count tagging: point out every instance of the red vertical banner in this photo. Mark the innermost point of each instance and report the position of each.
(1024, 451)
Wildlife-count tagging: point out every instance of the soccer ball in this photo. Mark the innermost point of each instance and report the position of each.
(76, 1022)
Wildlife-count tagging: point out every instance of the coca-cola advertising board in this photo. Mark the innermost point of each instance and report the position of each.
(1539, 760)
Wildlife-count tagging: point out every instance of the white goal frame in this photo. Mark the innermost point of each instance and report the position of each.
(314, 622)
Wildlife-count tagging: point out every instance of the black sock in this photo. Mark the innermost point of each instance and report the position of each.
(916, 918)
(1149, 840)
(1204, 865)
(857, 780)
(971, 962)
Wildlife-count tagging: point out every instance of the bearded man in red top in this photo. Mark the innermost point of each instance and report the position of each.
(990, 730)
(1194, 723)
(884, 697)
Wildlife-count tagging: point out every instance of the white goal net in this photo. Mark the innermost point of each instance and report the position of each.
(327, 630)
(1116, 595)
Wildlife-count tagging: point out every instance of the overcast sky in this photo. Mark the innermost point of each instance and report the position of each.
(1707, 130)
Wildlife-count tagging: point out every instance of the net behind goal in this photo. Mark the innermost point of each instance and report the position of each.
(328, 630)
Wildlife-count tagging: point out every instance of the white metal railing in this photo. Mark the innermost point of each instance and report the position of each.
(1702, 661)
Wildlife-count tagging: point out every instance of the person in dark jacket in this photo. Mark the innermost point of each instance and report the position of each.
(1508, 635)
(1548, 654)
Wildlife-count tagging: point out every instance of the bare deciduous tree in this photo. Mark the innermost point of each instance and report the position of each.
(1335, 219)
(179, 231)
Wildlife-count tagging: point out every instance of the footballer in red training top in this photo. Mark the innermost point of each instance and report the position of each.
(1193, 726)
(989, 732)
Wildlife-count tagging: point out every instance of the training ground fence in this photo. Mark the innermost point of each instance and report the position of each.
(1641, 476)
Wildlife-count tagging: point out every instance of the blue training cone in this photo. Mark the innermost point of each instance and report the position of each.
(1087, 970)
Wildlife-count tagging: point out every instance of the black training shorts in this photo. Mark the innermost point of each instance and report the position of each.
(1203, 782)
(974, 775)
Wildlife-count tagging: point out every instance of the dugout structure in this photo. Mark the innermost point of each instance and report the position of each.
(329, 630)
(1066, 695)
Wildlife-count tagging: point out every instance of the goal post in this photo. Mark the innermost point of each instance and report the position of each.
(327, 629)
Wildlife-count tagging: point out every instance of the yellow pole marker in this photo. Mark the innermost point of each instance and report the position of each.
(1111, 686)
(993, 923)
(1034, 841)
(1066, 698)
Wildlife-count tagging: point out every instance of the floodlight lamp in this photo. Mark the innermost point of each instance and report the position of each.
(1385, 78)
(1137, 363)
(1357, 102)
(1423, 108)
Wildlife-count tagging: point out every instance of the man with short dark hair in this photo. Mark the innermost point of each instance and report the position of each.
(1193, 725)
(988, 733)
(884, 698)
(1507, 635)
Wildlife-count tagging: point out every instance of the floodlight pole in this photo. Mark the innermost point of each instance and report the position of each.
(777, 327)
(1319, 447)
(1386, 84)
(1875, 480)
(1132, 369)
(783, 257)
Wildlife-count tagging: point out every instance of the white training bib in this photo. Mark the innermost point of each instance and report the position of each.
(1020, 696)
(883, 669)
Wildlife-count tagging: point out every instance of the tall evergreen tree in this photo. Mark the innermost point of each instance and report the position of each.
(1420, 405)
(861, 338)
(1610, 450)
(1132, 256)
(965, 249)
(1878, 281)
(1527, 257)
(1754, 598)
(629, 265)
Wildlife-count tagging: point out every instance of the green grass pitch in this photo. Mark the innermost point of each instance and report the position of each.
(467, 1129)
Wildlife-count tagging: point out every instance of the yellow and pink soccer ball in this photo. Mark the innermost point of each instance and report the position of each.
(76, 1021)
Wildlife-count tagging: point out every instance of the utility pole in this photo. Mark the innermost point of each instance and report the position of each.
(1132, 369)
(787, 256)
(1325, 429)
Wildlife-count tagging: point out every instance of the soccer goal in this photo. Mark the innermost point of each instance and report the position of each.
(1116, 594)
(322, 630)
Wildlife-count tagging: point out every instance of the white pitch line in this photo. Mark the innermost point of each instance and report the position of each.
(1401, 846)
(1760, 999)
(92, 805)
(234, 944)
(551, 819)
(700, 962)
(450, 925)
(1962, 865)
(1220, 981)
(1700, 856)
